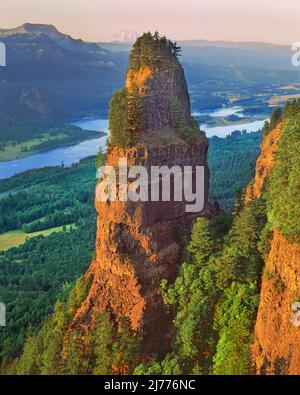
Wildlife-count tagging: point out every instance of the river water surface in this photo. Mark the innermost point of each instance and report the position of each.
(74, 153)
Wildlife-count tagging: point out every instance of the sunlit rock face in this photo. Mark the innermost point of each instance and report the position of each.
(276, 348)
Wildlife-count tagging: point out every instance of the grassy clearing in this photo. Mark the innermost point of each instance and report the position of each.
(282, 99)
(21, 150)
(291, 87)
(54, 137)
(17, 237)
(223, 121)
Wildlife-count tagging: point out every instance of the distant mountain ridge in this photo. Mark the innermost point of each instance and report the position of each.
(226, 53)
(61, 39)
(238, 54)
(224, 43)
(49, 73)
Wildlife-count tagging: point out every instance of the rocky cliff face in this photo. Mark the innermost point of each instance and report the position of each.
(276, 347)
(264, 163)
(138, 244)
(276, 339)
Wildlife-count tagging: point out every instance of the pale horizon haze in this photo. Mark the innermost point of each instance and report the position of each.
(98, 20)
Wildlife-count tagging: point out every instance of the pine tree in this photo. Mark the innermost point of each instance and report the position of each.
(125, 349)
(276, 117)
(78, 357)
(53, 333)
(29, 362)
(201, 244)
(135, 121)
(120, 135)
(101, 342)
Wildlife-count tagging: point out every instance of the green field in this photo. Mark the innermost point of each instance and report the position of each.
(16, 238)
(34, 146)
(21, 140)
(21, 150)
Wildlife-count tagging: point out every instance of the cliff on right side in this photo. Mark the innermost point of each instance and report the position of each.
(276, 342)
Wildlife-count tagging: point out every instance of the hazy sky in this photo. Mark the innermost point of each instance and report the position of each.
(95, 20)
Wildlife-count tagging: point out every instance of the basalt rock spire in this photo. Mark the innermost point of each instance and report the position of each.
(139, 243)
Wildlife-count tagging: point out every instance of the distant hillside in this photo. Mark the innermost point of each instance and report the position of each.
(238, 54)
(51, 74)
(217, 70)
(228, 53)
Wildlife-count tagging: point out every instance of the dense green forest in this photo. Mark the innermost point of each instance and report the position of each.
(62, 199)
(44, 269)
(213, 300)
(202, 338)
(275, 118)
(215, 296)
(232, 165)
(34, 275)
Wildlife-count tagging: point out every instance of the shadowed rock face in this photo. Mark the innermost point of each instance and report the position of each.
(159, 90)
(139, 244)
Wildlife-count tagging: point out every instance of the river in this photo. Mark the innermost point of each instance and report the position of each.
(74, 153)
(223, 131)
(55, 157)
(222, 112)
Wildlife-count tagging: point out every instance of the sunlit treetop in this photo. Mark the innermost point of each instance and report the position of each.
(155, 52)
